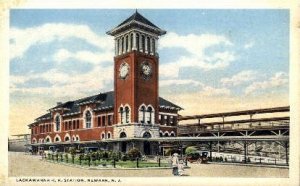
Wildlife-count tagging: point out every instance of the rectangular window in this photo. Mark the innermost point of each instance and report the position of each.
(70, 125)
(99, 121)
(110, 120)
(168, 120)
(77, 124)
(171, 120)
(47, 128)
(74, 124)
(162, 119)
(174, 120)
(103, 121)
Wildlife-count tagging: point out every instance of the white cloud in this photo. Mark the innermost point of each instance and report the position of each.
(203, 90)
(211, 91)
(198, 58)
(83, 56)
(177, 82)
(249, 45)
(23, 39)
(65, 85)
(278, 80)
(194, 44)
(241, 77)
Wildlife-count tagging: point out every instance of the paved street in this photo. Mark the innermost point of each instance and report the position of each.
(27, 165)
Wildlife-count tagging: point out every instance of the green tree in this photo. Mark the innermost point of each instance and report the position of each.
(190, 150)
(134, 153)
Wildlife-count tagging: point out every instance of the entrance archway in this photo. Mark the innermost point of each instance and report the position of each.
(123, 147)
(123, 144)
(147, 146)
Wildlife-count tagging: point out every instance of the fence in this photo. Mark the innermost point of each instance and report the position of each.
(89, 161)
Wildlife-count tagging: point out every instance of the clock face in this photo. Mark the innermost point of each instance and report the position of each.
(124, 70)
(146, 70)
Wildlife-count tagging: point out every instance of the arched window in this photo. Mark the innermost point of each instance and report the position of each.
(57, 123)
(119, 46)
(143, 43)
(146, 135)
(48, 139)
(121, 115)
(166, 134)
(67, 138)
(142, 112)
(77, 138)
(127, 114)
(137, 40)
(57, 139)
(88, 119)
(149, 115)
(172, 134)
(102, 136)
(148, 44)
(153, 46)
(161, 134)
(108, 135)
(126, 43)
(123, 135)
(131, 42)
(122, 45)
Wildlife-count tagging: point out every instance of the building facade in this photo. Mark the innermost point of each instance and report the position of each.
(133, 110)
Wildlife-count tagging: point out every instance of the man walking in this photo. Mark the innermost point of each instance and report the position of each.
(175, 164)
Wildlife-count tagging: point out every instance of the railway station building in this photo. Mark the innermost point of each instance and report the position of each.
(133, 110)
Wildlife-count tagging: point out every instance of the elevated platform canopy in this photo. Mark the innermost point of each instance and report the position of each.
(237, 113)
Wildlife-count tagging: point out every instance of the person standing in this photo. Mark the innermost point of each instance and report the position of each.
(180, 168)
(175, 162)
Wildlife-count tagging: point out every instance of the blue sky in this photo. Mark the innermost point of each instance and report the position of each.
(213, 58)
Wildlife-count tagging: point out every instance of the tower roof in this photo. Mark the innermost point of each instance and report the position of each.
(138, 17)
(136, 20)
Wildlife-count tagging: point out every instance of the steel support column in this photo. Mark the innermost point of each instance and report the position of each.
(210, 150)
(245, 149)
(286, 152)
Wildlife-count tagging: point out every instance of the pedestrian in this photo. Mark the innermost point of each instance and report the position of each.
(180, 168)
(175, 164)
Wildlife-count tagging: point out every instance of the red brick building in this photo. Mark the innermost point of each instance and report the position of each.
(133, 110)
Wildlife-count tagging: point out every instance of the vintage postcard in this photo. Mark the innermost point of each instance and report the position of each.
(143, 94)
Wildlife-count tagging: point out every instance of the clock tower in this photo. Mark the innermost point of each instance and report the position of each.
(136, 64)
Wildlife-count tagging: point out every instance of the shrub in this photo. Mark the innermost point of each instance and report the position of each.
(94, 156)
(105, 155)
(66, 157)
(72, 150)
(134, 153)
(114, 156)
(124, 157)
